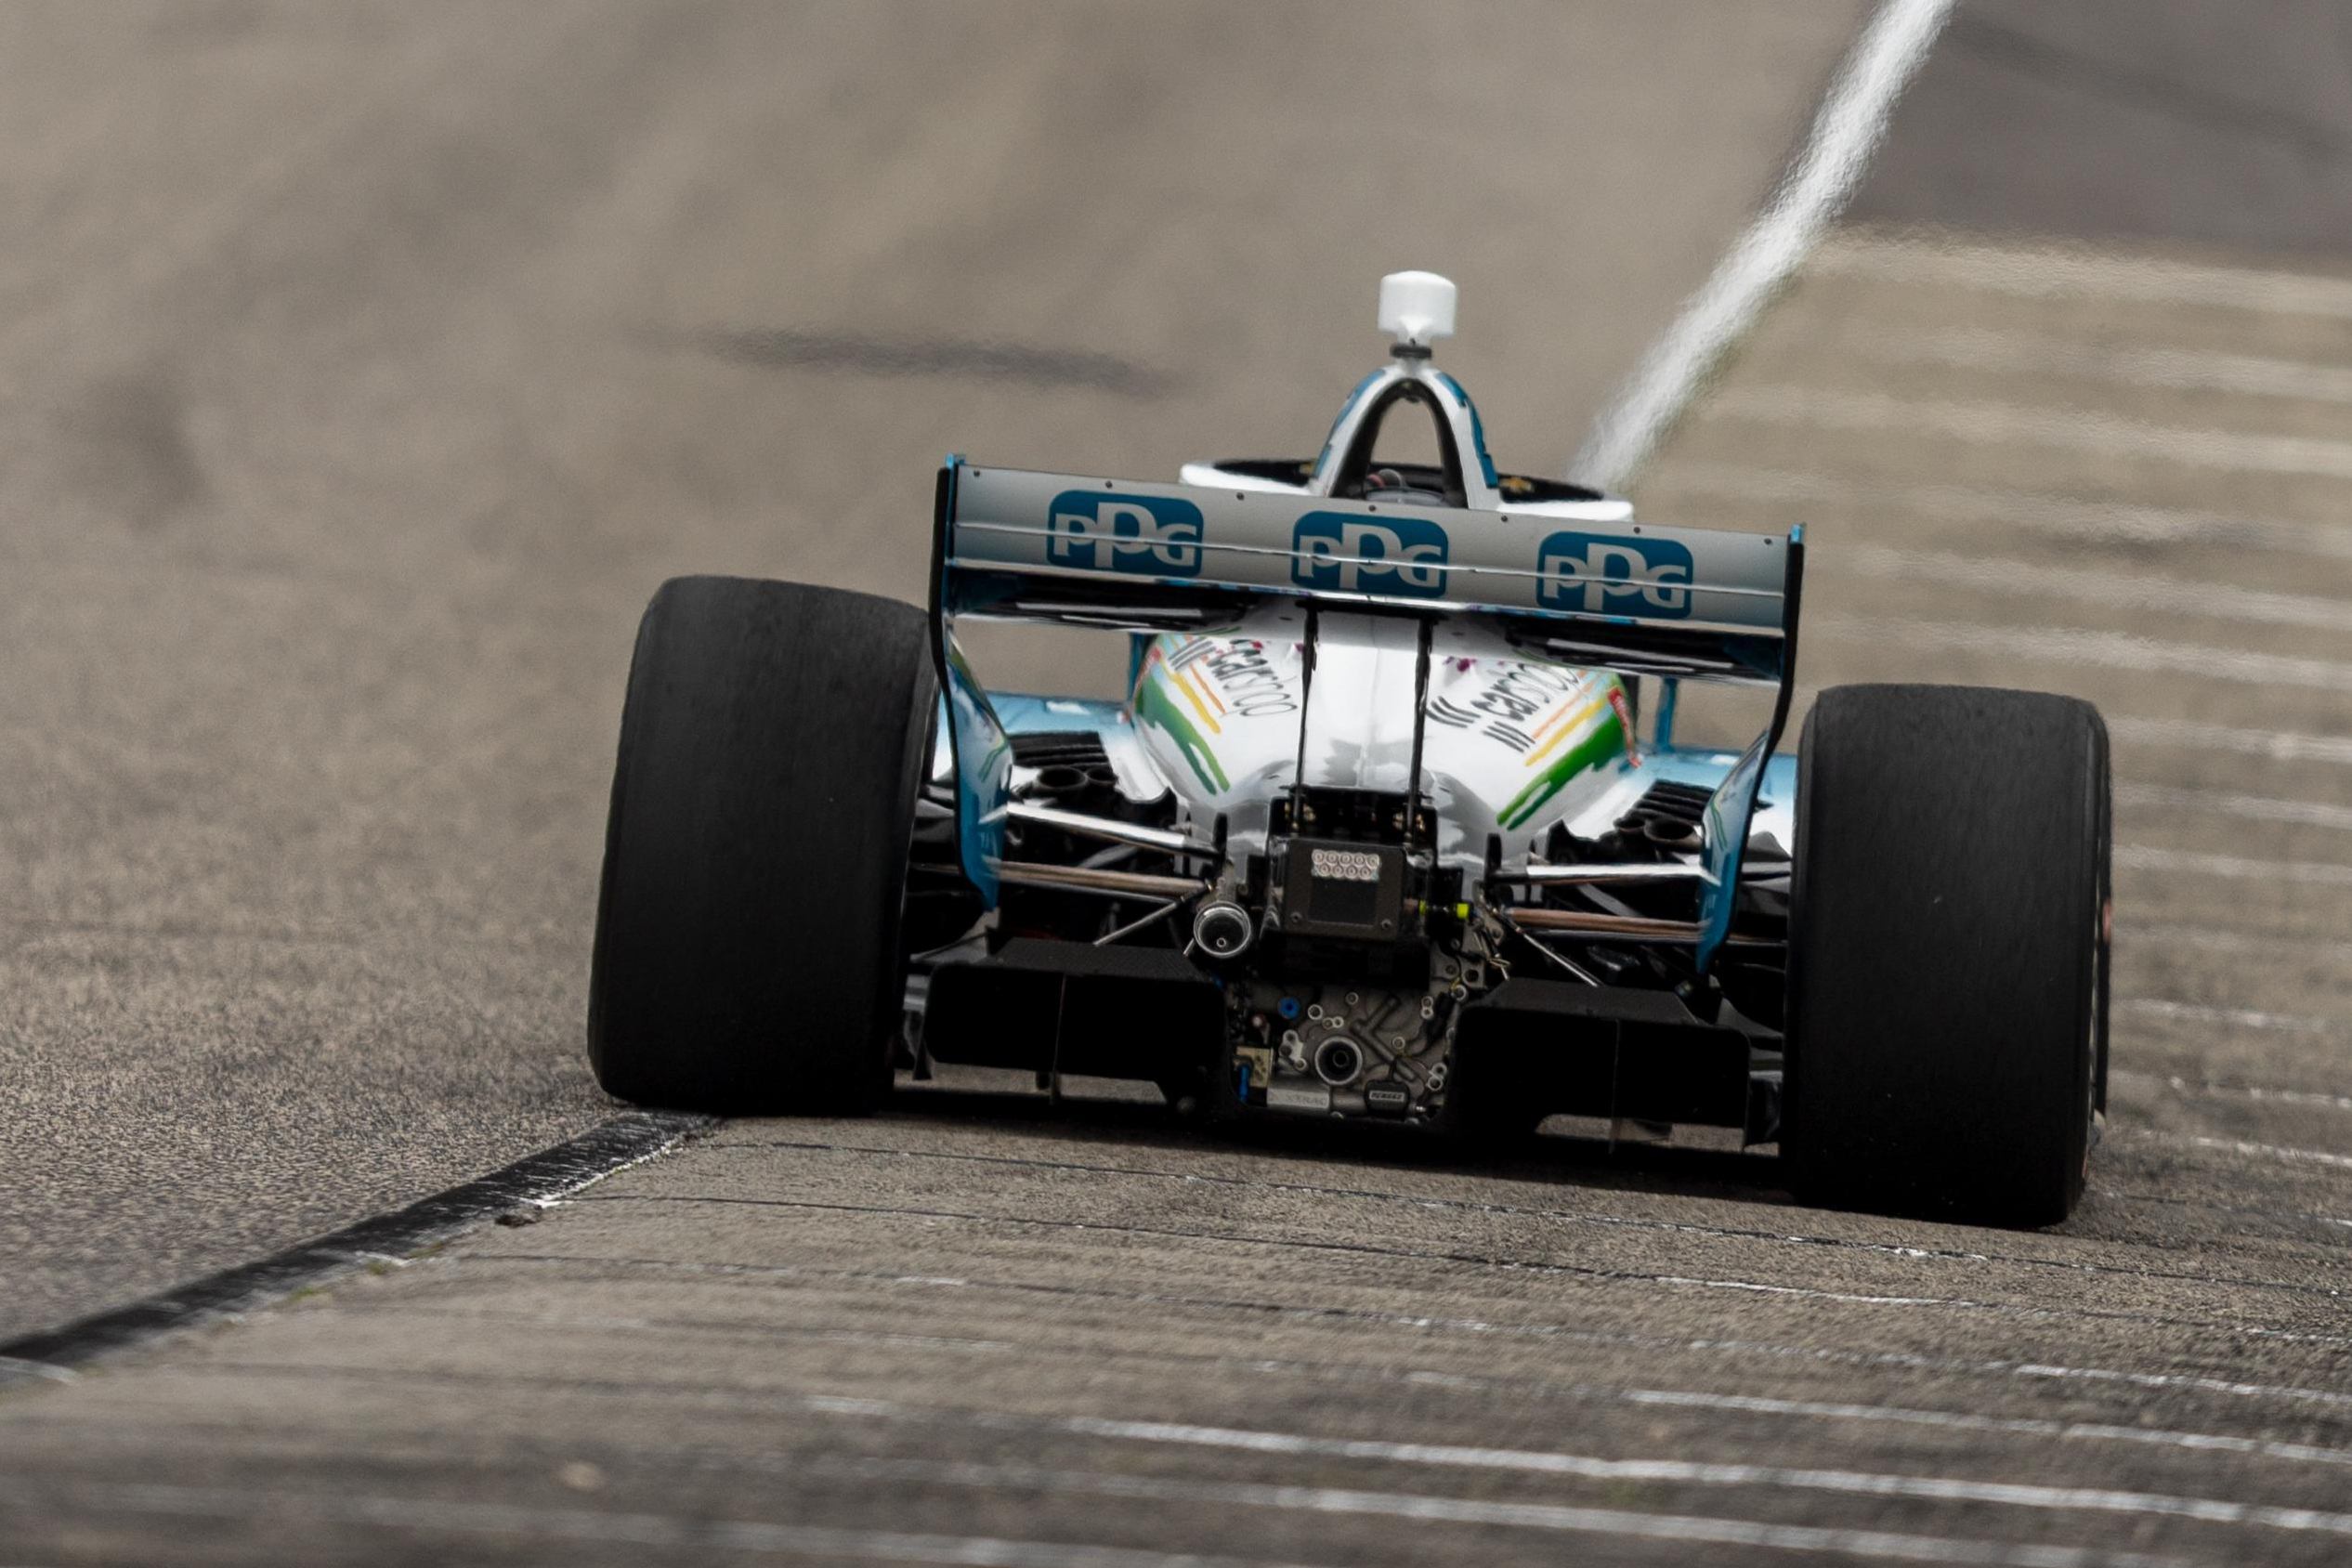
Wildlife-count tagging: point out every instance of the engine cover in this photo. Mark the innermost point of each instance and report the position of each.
(1509, 744)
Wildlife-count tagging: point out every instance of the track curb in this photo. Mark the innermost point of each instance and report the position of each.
(53, 1354)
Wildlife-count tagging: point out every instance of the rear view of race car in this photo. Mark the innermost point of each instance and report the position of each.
(1379, 831)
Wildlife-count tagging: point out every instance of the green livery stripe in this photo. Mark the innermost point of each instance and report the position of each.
(1591, 752)
(1154, 703)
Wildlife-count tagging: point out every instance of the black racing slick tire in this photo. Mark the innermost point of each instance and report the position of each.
(1947, 952)
(772, 745)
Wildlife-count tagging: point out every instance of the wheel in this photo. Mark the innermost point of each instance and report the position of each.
(1947, 952)
(772, 745)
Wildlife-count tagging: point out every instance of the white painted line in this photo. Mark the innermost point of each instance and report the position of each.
(2056, 272)
(2226, 803)
(1846, 132)
(2110, 650)
(2279, 745)
(2007, 425)
(2184, 370)
(2234, 1018)
(1941, 568)
(2152, 857)
(2098, 522)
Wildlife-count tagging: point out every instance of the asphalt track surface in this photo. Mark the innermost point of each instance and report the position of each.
(981, 1329)
(367, 367)
(2209, 121)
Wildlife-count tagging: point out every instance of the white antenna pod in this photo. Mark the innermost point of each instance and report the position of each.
(1417, 308)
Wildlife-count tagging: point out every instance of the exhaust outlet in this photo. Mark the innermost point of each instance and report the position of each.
(1224, 929)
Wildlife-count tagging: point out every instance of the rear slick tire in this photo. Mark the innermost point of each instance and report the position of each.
(772, 745)
(1947, 952)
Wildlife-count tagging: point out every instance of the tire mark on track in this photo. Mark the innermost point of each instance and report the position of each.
(2280, 1214)
(2202, 863)
(601, 1526)
(2285, 746)
(991, 362)
(1573, 1270)
(2010, 577)
(1323, 1371)
(2138, 794)
(2095, 522)
(2104, 650)
(2321, 1099)
(1585, 1467)
(1423, 1507)
(2076, 428)
(1990, 1367)
(2068, 272)
(1570, 1216)
(535, 1179)
(1439, 1455)
(2274, 1152)
(668, 1530)
(2104, 361)
(2236, 1017)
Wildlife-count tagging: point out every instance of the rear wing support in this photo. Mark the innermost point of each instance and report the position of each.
(976, 738)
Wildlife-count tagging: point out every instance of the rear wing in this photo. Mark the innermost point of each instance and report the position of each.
(1119, 554)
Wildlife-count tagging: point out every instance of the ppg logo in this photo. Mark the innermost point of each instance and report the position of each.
(1149, 534)
(1368, 554)
(1599, 572)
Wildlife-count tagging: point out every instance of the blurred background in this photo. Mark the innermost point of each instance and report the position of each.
(367, 366)
(364, 367)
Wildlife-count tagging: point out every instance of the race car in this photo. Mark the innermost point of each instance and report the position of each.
(1380, 833)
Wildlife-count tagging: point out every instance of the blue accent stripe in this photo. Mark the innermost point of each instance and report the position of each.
(1732, 809)
(983, 756)
(1478, 429)
(1331, 441)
